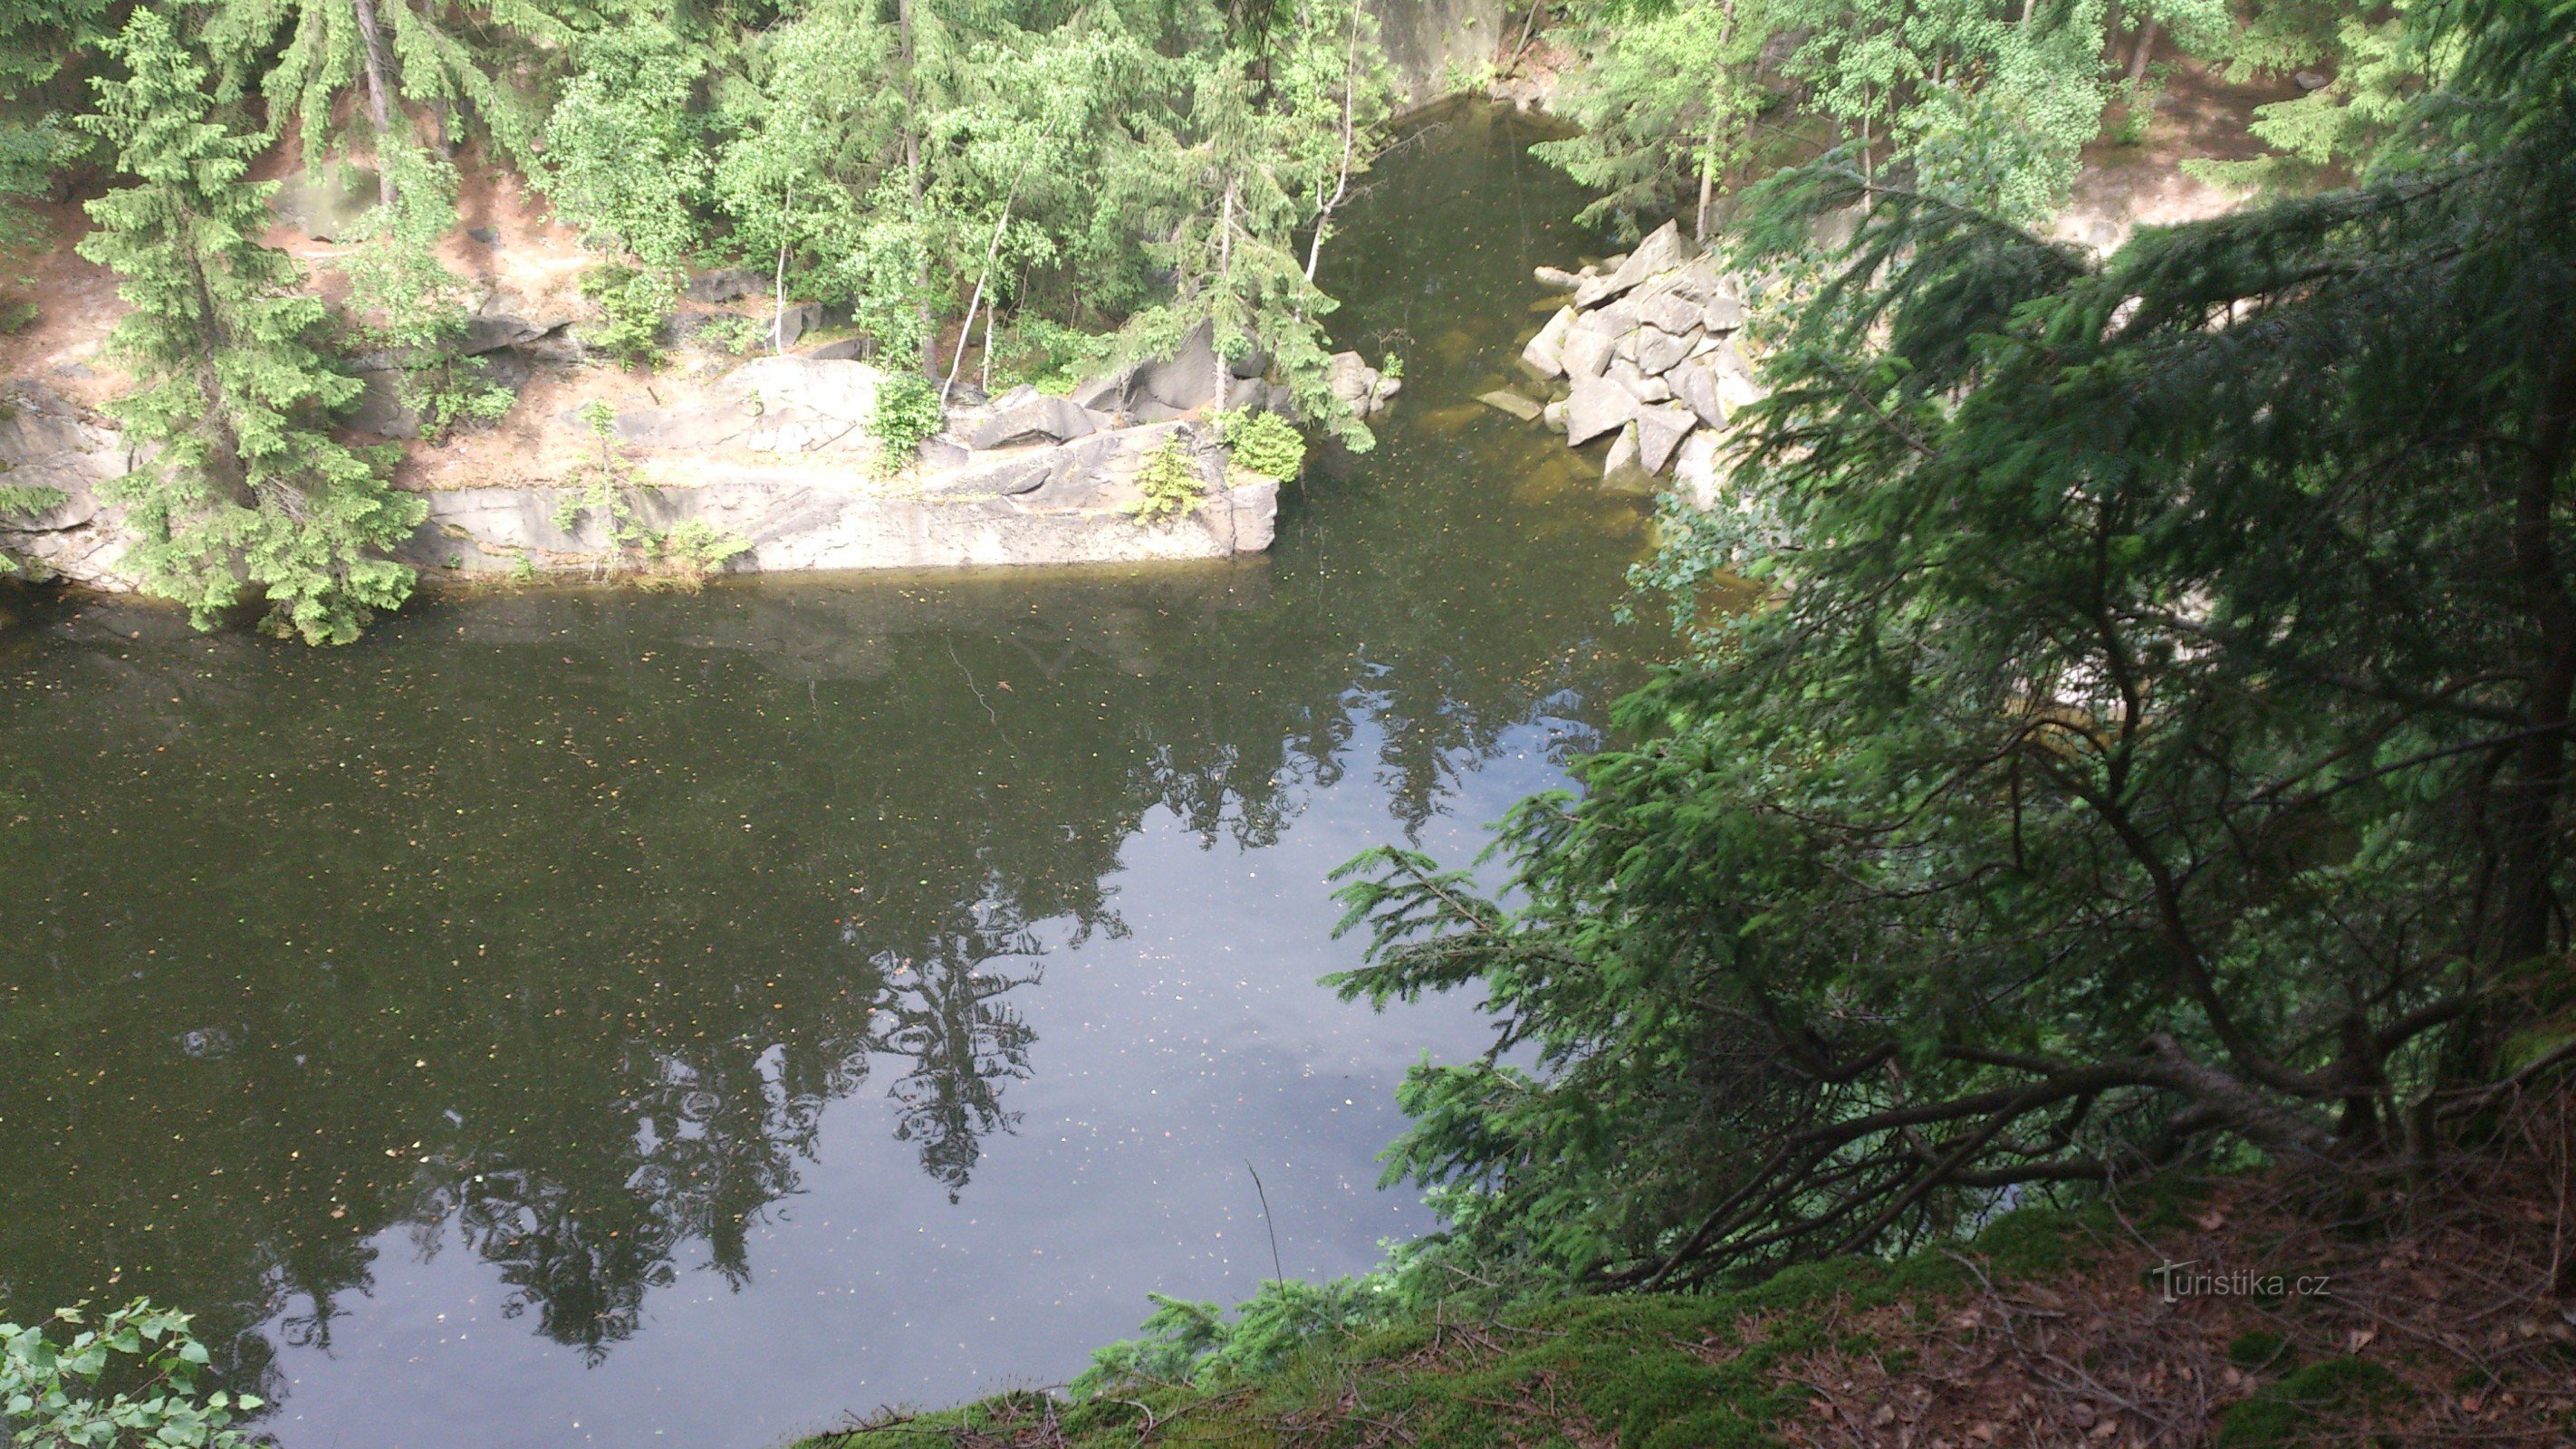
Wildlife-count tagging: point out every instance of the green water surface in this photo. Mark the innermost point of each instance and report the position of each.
(577, 1016)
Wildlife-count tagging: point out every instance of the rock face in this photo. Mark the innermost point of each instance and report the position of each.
(776, 452)
(45, 443)
(1065, 503)
(1431, 41)
(1652, 356)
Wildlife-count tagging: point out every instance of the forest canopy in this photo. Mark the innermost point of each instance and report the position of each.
(2149, 746)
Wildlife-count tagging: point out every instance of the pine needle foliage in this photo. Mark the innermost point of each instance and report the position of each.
(248, 488)
(2152, 746)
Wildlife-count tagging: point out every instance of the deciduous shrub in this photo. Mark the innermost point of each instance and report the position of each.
(52, 1393)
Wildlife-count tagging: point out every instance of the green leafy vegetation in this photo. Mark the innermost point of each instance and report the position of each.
(637, 302)
(2093, 783)
(125, 1382)
(907, 414)
(683, 556)
(1263, 442)
(234, 384)
(1982, 104)
(1169, 485)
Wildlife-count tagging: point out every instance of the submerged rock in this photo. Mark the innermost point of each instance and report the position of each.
(1503, 399)
(1622, 471)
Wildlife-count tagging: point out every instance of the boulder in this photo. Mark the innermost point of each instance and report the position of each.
(1503, 399)
(1613, 319)
(1032, 419)
(1833, 230)
(725, 284)
(1110, 392)
(1596, 406)
(1253, 363)
(1557, 279)
(1695, 384)
(1637, 384)
(1188, 378)
(844, 350)
(792, 322)
(1722, 313)
(1621, 471)
(1735, 382)
(1660, 430)
(1355, 382)
(1738, 392)
(1587, 353)
(1661, 251)
(2309, 80)
(1658, 350)
(1695, 468)
(1544, 356)
(1667, 309)
(1552, 417)
(493, 331)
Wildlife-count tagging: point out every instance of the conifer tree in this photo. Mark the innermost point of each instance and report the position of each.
(231, 386)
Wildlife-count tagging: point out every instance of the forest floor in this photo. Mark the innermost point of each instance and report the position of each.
(2199, 115)
(2261, 1309)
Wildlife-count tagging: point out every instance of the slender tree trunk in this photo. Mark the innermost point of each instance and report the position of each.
(2540, 763)
(966, 329)
(1866, 175)
(1707, 185)
(1716, 127)
(1342, 175)
(2146, 47)
(379, 105)
(2111, 30)
(778, 315)
(1528, 28)
(912, 176)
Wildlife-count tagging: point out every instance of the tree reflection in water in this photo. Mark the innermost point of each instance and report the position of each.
(546, 925)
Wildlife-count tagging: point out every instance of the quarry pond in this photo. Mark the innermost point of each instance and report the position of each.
(576, 1016)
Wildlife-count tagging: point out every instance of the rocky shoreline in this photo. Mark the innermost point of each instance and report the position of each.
(1650, 352)
(774, 455)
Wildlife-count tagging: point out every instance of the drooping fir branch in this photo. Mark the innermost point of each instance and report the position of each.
(247, 489)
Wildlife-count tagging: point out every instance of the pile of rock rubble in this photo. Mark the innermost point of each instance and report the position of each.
(1649, 351)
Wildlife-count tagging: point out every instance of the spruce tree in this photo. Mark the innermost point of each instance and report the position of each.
(232, 389)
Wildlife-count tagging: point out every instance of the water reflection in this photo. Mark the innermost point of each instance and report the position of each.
(549, 928)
